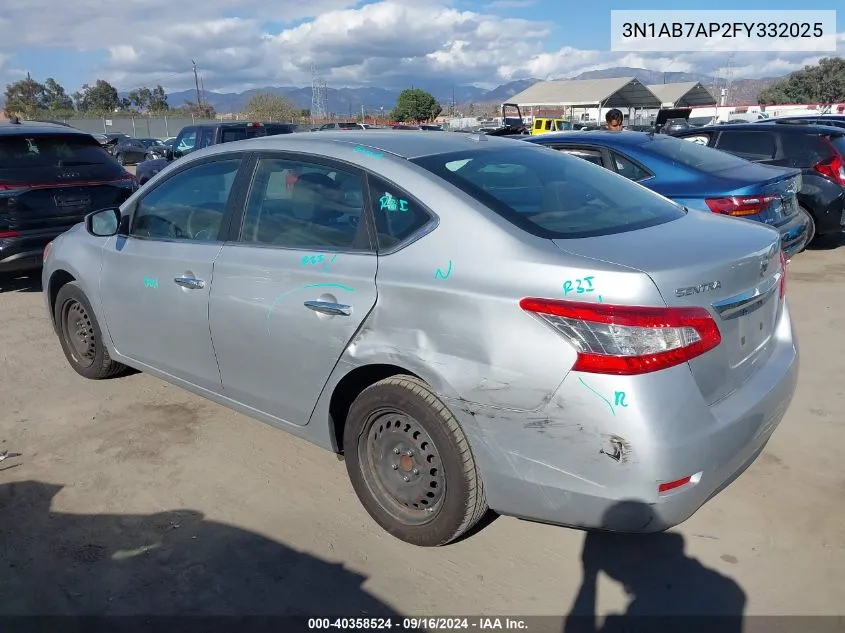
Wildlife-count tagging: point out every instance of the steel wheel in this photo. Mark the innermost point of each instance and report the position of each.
(78, 332)
(402, 467)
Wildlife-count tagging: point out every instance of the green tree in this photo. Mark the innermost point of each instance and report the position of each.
(25, 97)
(158, 100)
(100, 98)
(414, 104)
(265, 106)
(55, 97)
(823, 83)
(203, 111)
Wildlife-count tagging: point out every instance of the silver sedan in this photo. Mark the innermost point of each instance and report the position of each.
(472, 322)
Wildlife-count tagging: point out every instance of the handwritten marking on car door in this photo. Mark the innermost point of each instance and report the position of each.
(284, 294)
(149, 282)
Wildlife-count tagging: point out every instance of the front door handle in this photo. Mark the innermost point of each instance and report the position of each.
(190, 282)
(327, 307)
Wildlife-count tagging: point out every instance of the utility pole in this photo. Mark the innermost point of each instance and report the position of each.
(197, 82)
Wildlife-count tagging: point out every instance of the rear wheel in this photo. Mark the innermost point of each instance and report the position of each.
(81, 336)
(410, 463)
(811, 226)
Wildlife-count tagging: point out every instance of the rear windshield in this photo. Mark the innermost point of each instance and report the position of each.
(839, 143)
(51, 150)
(693, 155)
(550, 194)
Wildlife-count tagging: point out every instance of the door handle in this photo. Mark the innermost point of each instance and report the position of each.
(190, 282)
(327, 307)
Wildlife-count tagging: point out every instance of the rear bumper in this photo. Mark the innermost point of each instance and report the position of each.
(794, 234)
(25, 252)
(591, 461)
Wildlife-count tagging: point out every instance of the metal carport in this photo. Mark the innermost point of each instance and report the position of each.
(687, 94)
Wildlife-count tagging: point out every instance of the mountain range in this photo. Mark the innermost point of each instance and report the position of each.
(349, 101)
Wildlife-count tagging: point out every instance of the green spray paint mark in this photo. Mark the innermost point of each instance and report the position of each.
(150, 282)
(441, 275)
(619, 399)
(367, 151)
(578, 286)
(605, 400)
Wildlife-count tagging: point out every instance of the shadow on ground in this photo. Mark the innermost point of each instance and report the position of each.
(20, 282)
(827, 242)
(160, 564)
(664, 585)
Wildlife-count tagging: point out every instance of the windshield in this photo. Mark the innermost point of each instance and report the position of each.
(693, 155)
(28, 151)
(550, 194)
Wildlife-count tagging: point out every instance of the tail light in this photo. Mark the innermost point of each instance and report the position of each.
(740, 206)
(5, 234)
(12, 187)
(832, 168)
(782, 275)
(628, 340)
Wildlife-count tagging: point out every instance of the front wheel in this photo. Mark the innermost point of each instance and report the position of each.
(410, 463)
(81, 336)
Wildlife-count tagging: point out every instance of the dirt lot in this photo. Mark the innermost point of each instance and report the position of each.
(132, 496)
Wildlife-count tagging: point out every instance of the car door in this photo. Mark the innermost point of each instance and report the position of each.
(293, 284)
(155, 281)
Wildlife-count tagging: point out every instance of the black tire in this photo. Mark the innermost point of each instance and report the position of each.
(444, 494)
(811, 228)
(84, 347)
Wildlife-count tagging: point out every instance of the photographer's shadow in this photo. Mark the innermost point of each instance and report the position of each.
(665, 586)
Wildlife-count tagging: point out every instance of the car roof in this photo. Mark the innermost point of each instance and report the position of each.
(7, 128)
(604, 137)
(784, 127)
(398, 143)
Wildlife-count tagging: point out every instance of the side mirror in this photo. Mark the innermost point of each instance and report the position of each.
(175, 153)
(104, 222)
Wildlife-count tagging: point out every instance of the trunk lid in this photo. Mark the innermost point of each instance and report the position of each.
(49, 182)
(781, 184)
(728, 266)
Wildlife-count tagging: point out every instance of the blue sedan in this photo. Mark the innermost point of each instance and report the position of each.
(695, 176)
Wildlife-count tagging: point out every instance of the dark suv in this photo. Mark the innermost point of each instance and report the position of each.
(194, 137)
(50, 177)
(819, 151)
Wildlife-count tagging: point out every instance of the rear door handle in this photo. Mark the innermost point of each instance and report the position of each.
(190, 282)
(327, 307)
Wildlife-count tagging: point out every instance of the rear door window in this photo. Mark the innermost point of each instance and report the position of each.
(628, 168)
(397, 215)
(551, 194)
(748, 144)
(591, 155)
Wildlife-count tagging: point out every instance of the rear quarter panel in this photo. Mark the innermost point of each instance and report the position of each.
(448, 304)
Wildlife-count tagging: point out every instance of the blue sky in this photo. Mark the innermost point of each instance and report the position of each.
(248, 43)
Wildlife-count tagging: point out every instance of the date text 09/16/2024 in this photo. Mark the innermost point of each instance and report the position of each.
(418, 624)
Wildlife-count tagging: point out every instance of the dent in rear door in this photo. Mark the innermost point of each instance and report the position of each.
(275, 352)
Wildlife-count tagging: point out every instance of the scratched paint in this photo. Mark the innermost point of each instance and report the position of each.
(366, 151)
(280, 297)
(439, 274)
(150, 282)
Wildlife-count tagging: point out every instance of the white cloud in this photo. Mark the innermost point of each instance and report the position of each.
(390, 43)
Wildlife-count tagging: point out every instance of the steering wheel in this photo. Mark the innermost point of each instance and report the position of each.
(201, 232)
(170, 229)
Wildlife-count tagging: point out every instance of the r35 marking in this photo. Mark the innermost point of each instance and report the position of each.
(581, 286)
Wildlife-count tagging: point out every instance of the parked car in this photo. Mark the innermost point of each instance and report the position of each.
(130, 151)
(592, 342)
(110, 140)
(818, 151)
(194, 137)
(50, 177)
(699, 178)
(833, 120)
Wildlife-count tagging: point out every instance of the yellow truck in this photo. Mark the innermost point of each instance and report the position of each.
(544, 126)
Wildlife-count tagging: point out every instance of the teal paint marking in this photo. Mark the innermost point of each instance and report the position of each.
(366, 151)
(150, 283)
(605, 400)
(281, 296)
(308, 260)
(388, 203)
(441, 275)
(579, 286)
(619, 397)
